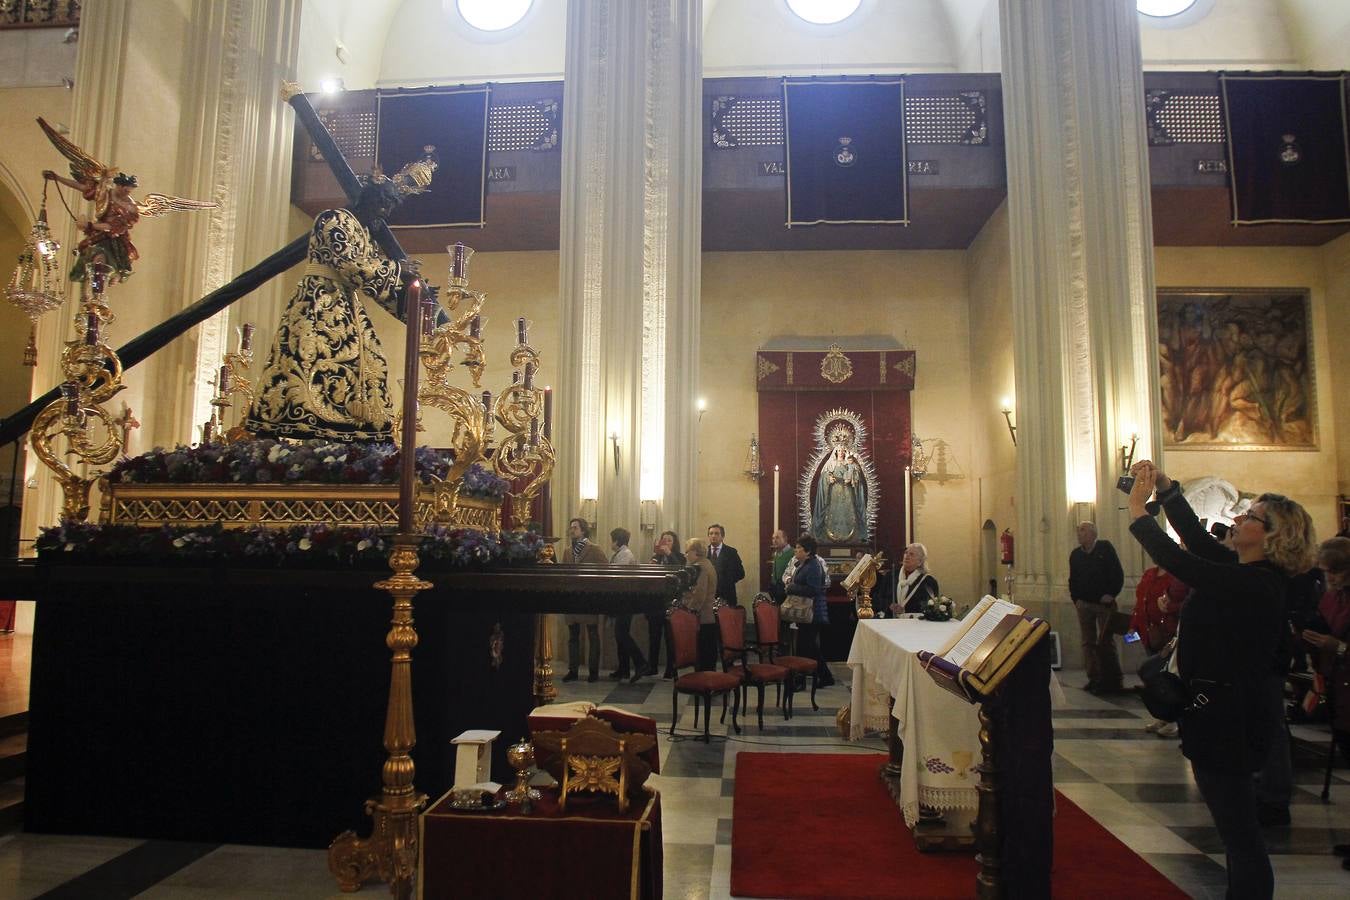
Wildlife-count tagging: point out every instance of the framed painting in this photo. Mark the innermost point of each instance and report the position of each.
(1236, 369)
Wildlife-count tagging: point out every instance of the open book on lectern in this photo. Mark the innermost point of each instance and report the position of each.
(992, 639)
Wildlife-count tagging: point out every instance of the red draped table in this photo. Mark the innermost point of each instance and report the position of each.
(590, 851)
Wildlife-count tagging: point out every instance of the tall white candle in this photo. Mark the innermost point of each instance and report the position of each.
(775, 497)
(908, 515)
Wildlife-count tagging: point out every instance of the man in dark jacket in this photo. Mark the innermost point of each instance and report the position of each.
(727, 562)
(1095, 578)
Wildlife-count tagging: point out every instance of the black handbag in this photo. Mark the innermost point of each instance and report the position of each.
(1165, 694)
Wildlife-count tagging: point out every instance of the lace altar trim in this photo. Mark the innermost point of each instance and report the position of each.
(940, 798)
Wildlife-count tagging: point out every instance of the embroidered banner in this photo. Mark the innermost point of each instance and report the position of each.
(1287, 148)
(834, 369)
(845, 152)
(454, 120)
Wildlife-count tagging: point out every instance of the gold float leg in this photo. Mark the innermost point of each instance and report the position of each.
(988, 883)
(390, 853)
(544, 690)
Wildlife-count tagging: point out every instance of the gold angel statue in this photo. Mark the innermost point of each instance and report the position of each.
(107, 236)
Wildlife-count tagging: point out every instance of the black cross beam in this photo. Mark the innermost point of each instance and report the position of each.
(137, 349)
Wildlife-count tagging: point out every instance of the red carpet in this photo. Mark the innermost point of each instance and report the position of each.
(823, 826)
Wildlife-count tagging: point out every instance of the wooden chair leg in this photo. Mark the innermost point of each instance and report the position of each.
(734, 711)
(674, 708)
(814, 678)
(707, 716)
(759, 688)
(786, 689)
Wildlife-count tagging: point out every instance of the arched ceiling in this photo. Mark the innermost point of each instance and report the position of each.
(404, 42)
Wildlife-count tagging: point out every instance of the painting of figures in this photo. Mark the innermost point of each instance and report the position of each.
(1236, 369)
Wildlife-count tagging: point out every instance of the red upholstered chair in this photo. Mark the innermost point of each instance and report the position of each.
(683, 627)
(731, 628)
(768, 635)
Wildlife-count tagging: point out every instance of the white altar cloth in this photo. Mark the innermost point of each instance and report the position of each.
(941, 732)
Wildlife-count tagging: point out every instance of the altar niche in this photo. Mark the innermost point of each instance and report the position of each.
(835, 425)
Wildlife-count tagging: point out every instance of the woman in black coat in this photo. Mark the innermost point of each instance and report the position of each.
(1230, 645)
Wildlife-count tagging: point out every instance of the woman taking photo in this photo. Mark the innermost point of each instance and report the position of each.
(809, 580)
(1229, 647)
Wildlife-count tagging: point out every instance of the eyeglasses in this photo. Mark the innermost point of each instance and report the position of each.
(1242, 517)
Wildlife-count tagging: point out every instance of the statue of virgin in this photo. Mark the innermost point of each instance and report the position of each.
(839, 514)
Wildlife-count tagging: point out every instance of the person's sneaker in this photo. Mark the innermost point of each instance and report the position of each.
(1272, 815)
(1169, 730)
(1152, 727)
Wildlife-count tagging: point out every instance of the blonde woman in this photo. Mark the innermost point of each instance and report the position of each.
(1230, 651)
(699, 599)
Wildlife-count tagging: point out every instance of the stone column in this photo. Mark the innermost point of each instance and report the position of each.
(1084, 310)
(629, 267)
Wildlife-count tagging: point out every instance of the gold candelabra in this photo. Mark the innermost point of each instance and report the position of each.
(233, 381)
(93, 376)
(523, 455)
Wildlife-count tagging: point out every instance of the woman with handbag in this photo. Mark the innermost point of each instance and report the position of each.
(1228, 650)
(810, 581)
(1157, 604)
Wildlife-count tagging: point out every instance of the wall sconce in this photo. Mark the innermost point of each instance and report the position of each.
(702, 406)
(587, 512)
(647, 515)
(1007, 417)
(752, 466)
(1127, 453)
(614, 439)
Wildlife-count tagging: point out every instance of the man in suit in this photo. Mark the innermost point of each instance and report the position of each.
(727, 562)
(583, 551)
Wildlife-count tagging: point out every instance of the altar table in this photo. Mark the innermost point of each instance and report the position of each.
(592, 850)
(939, 731)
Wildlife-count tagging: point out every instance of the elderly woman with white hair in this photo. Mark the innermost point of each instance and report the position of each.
(915, 585)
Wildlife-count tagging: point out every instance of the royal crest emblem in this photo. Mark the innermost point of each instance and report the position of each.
(845, 154)
(1290, 153)
(766, 368)
(836, 368)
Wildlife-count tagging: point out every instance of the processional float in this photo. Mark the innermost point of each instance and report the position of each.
(508, 435)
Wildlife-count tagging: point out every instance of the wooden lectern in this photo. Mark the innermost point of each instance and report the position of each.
(975, 665)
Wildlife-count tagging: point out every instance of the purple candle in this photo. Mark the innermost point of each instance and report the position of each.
(520, 330)
(91, 328)
(476, 327)
(224, 382)
(534, 432)
(70, 392)
(246, 337)
(428, 306)
(457, 261)
(529, 375)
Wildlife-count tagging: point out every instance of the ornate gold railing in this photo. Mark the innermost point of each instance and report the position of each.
(39, 13)
(285, 505)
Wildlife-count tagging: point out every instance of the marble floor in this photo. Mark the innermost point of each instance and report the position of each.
(1134, 783)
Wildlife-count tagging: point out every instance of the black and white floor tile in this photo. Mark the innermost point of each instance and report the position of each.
(1137, 785)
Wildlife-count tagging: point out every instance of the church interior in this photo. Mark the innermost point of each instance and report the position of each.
(871, 273)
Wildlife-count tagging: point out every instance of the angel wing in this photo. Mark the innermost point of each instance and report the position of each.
(83, 167)
(158, 204)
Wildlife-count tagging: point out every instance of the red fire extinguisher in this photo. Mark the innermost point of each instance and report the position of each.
(1005, 547)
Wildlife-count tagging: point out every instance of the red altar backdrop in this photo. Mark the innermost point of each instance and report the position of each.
(795, 390)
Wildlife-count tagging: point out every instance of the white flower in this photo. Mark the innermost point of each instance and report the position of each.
(277, 452)
(305, 543)
(179, 542)
(363, 544)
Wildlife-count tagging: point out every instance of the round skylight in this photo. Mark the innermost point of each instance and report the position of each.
(823, 12)
(1161, 9)
(493, 15)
